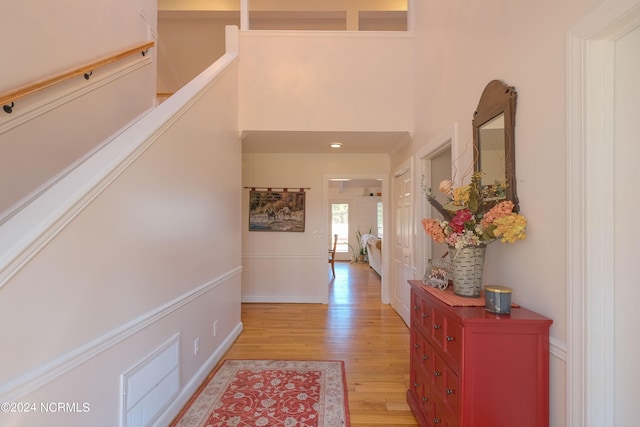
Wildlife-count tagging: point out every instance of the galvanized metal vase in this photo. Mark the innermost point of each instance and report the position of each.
(467, 265)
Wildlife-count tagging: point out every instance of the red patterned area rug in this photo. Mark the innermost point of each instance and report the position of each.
(243, 393)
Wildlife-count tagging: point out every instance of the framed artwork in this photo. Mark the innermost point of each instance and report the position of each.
(276, 210)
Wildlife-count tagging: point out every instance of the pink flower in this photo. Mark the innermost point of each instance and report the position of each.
(433, 229)
(462, 216)
(498, 211)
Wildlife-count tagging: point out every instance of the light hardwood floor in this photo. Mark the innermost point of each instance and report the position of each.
(355, 327)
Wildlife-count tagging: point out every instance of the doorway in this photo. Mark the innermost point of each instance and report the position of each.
(436, 170)
(353, 203)
(360, 200)
(603, 105)
(435, 164)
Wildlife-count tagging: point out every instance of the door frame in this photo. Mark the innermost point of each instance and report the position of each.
(447, 139)
(590, 145)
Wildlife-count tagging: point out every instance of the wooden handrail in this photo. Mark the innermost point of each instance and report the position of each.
(42, 84)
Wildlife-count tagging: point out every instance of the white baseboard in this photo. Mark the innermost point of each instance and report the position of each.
(558, 349)
(288, 299)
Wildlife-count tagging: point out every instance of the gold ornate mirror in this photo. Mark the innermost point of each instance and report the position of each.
(494, 139)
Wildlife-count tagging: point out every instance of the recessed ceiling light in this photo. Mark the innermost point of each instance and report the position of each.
(335, 144)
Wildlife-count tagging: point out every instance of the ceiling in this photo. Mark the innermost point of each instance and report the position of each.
(286, 5)
(366, 184)
(318, 142)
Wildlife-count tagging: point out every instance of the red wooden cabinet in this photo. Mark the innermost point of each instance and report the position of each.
(472, 368)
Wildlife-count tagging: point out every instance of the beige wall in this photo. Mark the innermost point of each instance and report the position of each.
(62, 38)
(515, 57)
(139, 244)
(460, 48)
(188, 42)
(51, 130)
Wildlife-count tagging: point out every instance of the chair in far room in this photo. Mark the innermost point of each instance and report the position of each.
(332, 254)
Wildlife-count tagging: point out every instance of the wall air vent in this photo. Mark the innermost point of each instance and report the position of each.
(149, 388)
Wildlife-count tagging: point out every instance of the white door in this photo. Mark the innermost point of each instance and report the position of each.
(402, 261)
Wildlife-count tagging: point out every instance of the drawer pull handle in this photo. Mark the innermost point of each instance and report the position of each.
(416, 308)
(425, 399)
(436, 420)
(416, 346)
(450, 338)
(436, 326)
(416, 384)
(437, 373)
(425, 315)
(450, 391)
(425, 357)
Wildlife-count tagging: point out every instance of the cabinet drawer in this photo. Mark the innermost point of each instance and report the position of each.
(437, 328)
(452, 341)
(421, 313)
(446, 384)
(422, 351)
(446, 335)
(422, 388)
(443, 416)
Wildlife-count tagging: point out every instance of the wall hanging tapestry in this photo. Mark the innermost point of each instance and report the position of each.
(276, 210)
(270, 393)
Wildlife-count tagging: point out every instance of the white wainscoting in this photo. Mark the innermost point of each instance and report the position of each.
(285, 278)
(31, 381)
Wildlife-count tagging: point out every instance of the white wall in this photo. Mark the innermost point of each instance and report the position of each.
(292, 267)
(293, 80)
(49, 131)
(128, 258)
(460, 48)
(68, 35)
(362, 218)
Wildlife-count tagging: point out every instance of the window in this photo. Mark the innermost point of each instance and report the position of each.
(340, 225)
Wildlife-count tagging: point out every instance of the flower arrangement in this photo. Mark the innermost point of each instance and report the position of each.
(473, 216)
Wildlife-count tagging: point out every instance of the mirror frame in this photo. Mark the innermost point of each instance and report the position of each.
(498, 98)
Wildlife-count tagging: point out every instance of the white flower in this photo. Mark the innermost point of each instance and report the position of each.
(446, 187)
